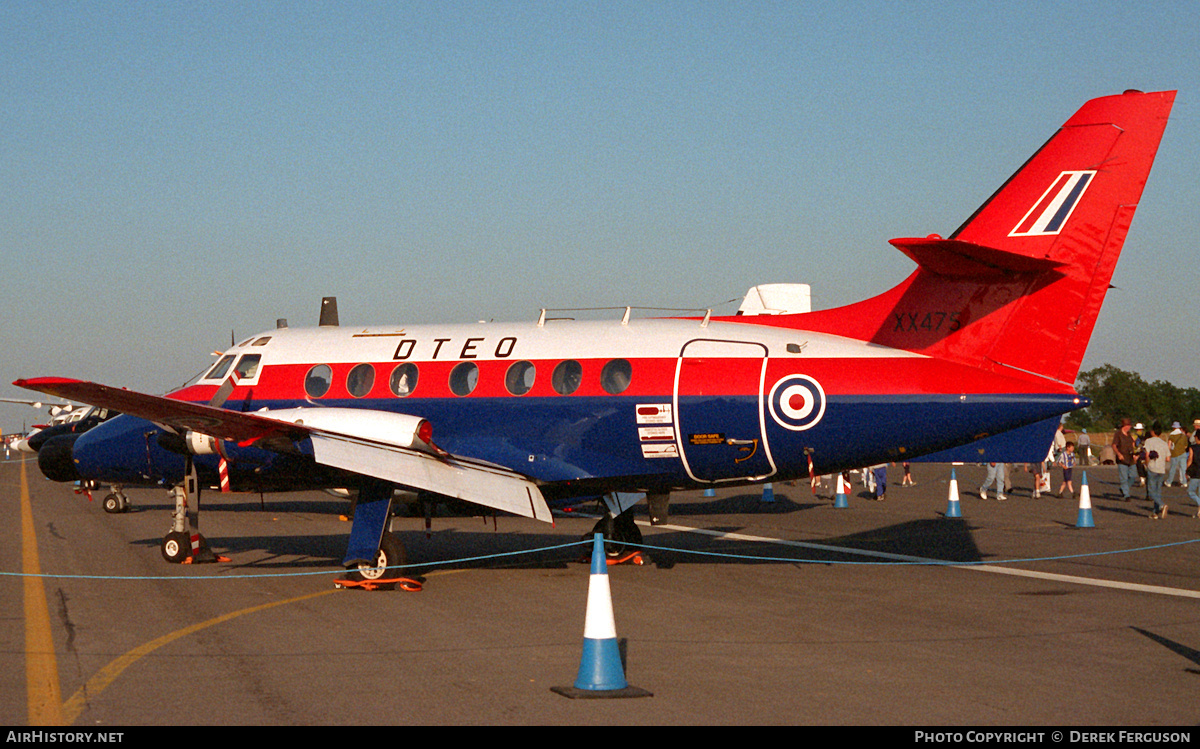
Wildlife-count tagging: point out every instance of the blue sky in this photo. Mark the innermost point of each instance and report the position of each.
(174, 171)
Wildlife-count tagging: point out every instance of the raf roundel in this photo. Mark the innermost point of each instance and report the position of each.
(797, 402)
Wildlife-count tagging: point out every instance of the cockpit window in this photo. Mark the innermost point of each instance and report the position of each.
(220, 368)
(262, 341)
(247, 367)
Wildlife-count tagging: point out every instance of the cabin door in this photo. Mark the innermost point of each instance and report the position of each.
(719, 411)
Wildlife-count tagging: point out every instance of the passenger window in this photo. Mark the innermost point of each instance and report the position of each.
(615, 376)
(464, 378)
(221, 367)
(360, 380)
(519, 379)
(247, 366)
(566, 377)
(318, 380)
(404, 379)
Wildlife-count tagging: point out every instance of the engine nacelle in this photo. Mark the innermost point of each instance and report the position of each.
(202, 444)
(400, 430)
(190, 443)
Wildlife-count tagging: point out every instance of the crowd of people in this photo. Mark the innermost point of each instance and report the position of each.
(1157, 461)
(1152, 459)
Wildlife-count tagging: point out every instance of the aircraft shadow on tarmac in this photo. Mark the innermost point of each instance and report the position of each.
(943, 539)
(938, 538)
(946, 539)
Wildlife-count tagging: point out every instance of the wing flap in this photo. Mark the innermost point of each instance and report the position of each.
(472, 481)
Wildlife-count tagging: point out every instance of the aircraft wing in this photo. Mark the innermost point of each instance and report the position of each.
(35, 404)
(337, 446)
(243, 428)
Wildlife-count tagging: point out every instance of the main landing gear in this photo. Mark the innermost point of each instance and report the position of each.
(383, 571)
(375, 558)
(622, 537)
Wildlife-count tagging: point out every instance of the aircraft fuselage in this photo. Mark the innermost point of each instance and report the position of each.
(585, 406)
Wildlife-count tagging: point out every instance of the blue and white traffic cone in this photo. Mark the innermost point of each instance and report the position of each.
(952, 506)
(768, 493)
(600, 671)
(1084, 519)
(839, 499)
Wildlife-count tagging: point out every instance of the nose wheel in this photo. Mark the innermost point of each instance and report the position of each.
(116, 501)
(176, 546)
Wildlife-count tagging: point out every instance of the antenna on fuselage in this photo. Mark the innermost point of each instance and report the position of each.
(329, 314)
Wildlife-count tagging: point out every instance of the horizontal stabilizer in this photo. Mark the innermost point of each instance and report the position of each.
(957, 259)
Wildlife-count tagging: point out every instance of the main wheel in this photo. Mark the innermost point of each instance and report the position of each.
(176, 546)
(618, 532)
(388, 559)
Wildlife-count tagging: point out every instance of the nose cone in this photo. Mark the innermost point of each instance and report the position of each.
(55, 458)
(41, 437)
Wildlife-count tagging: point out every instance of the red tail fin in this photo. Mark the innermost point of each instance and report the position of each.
(1018, 286)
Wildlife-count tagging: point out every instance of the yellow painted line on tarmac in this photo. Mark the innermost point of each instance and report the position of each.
(41, 664)
(107, 675)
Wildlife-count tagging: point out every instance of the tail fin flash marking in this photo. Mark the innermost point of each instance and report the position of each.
(1052, 210)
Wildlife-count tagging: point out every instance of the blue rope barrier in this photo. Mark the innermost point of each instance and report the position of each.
(649, 547)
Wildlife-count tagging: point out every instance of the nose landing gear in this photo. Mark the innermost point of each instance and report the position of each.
(183, 544)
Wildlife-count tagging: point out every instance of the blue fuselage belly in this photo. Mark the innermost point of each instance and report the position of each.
(599, 442)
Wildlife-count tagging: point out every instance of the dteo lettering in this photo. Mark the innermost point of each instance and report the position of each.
(471, 348)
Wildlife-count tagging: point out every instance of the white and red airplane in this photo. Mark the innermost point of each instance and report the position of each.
(973, 356)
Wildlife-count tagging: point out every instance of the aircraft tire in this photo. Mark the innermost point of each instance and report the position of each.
(112, 504)
(391, 553)
(618, 532)
(176, 546)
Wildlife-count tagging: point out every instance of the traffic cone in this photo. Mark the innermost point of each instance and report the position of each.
(952, 508)
(1084, 519)
(601, 674)
(768, 493)
(839, 499)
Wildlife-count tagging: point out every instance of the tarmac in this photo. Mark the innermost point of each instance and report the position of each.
(791, 612)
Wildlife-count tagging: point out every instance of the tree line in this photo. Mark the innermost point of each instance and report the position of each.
(1116, 393)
